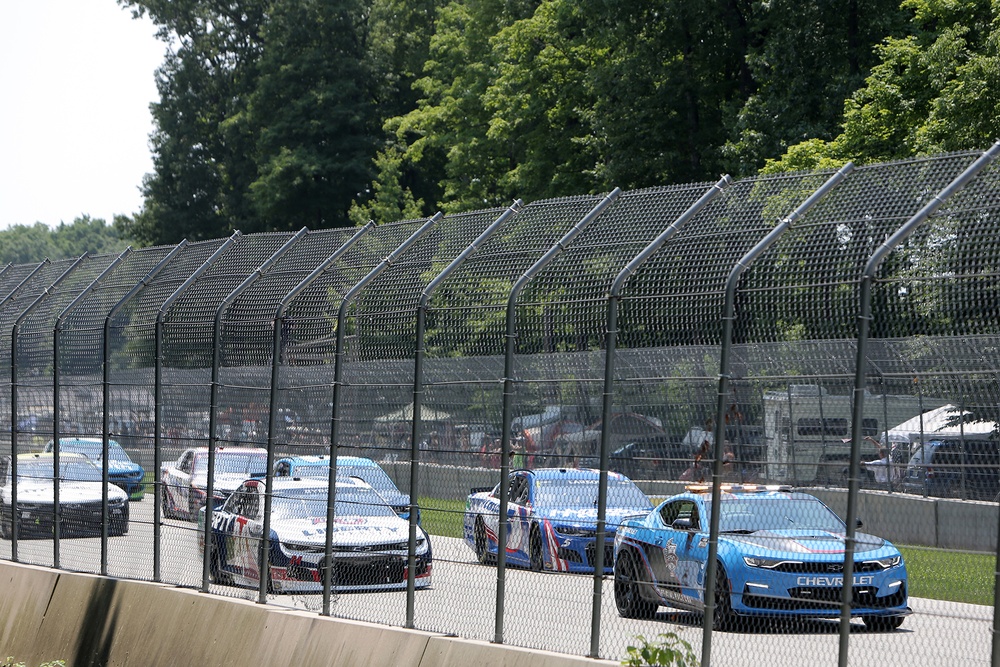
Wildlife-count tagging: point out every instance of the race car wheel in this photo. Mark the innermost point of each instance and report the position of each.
(722, 618)
(4, 525)
(215, 572)
(882, 623)
(119, 526)
(165, 503)
(482, 545)
(628, 599)
(535, 559)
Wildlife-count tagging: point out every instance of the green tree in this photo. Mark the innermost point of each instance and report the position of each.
(23, 244)
(933, 90)
(312, 114)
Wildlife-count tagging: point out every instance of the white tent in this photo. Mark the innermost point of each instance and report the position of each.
(405, 414)
(938, 423)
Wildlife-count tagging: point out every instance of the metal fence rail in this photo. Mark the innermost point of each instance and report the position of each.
(832, 330)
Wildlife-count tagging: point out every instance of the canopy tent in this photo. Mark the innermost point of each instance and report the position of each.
(938, 423)
(405, 414)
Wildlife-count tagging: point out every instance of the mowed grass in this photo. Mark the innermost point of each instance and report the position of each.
(442, 517)
(957, 576)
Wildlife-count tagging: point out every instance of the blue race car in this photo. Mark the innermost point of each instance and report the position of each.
(348, 466)
(780, 555)
(553, 518)
(122, 470)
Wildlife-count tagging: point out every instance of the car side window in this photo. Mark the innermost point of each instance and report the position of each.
(681, 509)
(3, 470)
(518, 490)
(186, 462)
(283, 469)
(251, 503)
(948, 454)
(669, 512)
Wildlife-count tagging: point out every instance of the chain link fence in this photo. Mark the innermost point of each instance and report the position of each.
(350, 412)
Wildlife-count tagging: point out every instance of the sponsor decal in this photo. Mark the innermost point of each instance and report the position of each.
(865, 580)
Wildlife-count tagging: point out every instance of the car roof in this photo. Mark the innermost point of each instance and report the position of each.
(569, 473)
(84, 441)
(314, 460)
(286, 483)
(751, 492)
(49, 456)
(231, 450)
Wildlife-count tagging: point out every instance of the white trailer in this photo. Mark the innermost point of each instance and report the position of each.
(805, 429)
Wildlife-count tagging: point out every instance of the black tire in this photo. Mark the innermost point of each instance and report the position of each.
(119, 527)
(165, 503)
(628, 597)
(535, 559)
(482, 544)
(722, 617)
(5, 529)
(882, 623)
(216, 574)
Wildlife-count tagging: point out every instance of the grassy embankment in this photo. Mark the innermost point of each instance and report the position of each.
(957, 576)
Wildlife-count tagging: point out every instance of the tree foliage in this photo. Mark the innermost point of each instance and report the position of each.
(932, 90)
(325, 113)
(24, 244)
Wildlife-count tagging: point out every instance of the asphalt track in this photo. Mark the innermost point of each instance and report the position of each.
(546, 610)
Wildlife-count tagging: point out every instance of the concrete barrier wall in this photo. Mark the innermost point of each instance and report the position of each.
(900, 518)
(90, 620)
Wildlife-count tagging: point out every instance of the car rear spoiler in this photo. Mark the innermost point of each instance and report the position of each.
(480, 489)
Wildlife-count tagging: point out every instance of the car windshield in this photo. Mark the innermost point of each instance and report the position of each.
(240, 463)
(377, 478)
(93, 450)
(748, 515)
(571, 493)
(73, 471)
(311, 504)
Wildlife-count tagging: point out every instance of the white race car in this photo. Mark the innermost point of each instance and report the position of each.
(80, 498)
(369, 540)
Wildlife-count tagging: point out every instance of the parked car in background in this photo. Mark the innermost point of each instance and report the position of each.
(347, 466)
(955, 468)
(553, 518)
(369, 541)
(80, 497)
(780, 555)
(122, 470)
(184, 482)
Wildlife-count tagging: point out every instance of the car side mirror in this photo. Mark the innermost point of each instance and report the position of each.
(859, 523)
(681, 524)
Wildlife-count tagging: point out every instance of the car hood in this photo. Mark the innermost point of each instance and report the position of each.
(804, 541)
(121, 467)
(352, 530)
(224, 482)
(69, 492)
(613, 516)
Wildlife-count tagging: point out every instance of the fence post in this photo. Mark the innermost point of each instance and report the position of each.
(15, 331)
(158, 379)
(272, 409)
(728, 315)
(55, 419)
(860, 377)
(508, 392)
(214, 393)
(13, 420)
(106, 393)
(338, 373)
(611, 341)
(418, 392)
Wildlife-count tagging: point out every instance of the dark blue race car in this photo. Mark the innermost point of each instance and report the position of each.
(553, 518)
(780, 554)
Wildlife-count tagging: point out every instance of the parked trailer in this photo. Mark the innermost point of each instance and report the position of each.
(807, 430)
